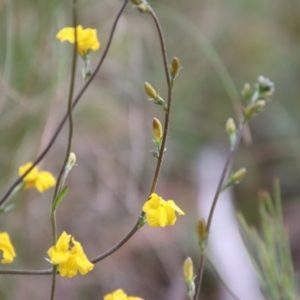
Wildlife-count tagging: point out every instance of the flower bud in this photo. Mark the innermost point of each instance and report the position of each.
(143, 7)
(175, 66)
(150, 91)
(157, 130)
(253, 109)
(201, 229)
(188, 270)
(247, 90)
(230, 127)
(231, 130)
(70, 164)
(235, 178)
(238, 175)
(136, 2)
(72, 159)
(266, 86)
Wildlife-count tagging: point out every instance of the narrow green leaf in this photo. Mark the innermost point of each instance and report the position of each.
(59, 197)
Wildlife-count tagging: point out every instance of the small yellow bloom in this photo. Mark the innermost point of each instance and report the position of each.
(7, 248)
(41, 180)
(86, 38)
(69, 258)
(160, 212)
(120, 295)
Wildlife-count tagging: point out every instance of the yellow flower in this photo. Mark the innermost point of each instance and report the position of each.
(120, 295)
(7, 248)
(41, 180)
(69, 259)
(160, 212)
(86, 38)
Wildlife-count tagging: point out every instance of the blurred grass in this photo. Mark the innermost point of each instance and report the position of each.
(221, 45)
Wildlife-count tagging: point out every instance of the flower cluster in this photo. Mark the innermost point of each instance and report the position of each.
(120, 295)
(86, 38)
(160, 212)
(41, 180)
(69, 259)
(7, 248)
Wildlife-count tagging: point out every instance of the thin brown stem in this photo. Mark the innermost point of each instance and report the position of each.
(169, 100)
(224, 172)
(94, 260)
(74, 103)
(26, 272)
(199, 275)
(118, 245)
(214, 203)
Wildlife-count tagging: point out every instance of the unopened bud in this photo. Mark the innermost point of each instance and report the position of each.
(230, 127)
(72, 159)
(253, 109)
(188, 270)
(247, 89)
(266, 86)
(150, 91)
(136, 2)
(70, 164)
(235, 178)
(157, 130)
(143, 7)
(175, 66)
(238, 176)
(201, 229)
(261, 103)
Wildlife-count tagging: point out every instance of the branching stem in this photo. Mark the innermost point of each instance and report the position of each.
(214, 203)
(74, 103)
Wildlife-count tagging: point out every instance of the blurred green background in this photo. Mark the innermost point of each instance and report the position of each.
(221, 45)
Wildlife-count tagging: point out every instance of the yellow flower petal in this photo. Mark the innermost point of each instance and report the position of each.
(32, 175)
(70, 259)
(82, 263)
(172, 204)
(159, 212)
(120, 295)
(60, 252)
(7, 248)
(44, 181)
(69, 267)
(66, 34)
(86, 38)
(41, 180)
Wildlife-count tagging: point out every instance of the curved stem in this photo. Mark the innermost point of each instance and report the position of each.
(75, 101)
(169, 100)
(214, 203)
(58, 185)
(94, 260)
(225, 171)
(118, 245)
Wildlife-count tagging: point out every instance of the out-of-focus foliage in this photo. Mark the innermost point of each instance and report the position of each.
(221, 45)
(270, 252)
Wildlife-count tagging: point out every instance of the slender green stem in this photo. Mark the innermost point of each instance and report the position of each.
(169, 101)
(214, 203)
(70, 136)
(75, 101)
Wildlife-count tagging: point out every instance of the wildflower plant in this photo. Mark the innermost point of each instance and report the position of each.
(66, 255)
